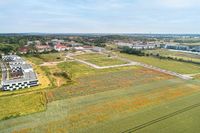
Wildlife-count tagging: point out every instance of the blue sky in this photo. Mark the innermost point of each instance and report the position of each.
(100, 16)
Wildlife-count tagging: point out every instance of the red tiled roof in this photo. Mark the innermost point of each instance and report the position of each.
(23, 49)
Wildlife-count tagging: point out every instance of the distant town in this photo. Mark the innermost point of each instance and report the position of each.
(45, 44)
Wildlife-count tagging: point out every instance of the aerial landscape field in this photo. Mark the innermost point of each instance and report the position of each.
(99, 66)
(89, 98)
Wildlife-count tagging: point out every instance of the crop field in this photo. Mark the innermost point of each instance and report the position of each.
(13, 106)
(175, 66)
(175, 54)
(197, 76)
(104, 81)
(112, 111)
(100, 59)
(187, 120)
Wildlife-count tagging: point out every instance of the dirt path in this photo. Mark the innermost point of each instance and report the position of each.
(182, 76)
(192, 75)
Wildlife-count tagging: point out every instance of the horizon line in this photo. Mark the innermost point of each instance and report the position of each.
(100, 33)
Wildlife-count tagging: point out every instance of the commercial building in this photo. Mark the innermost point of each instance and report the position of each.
(139, 45)
(177, 47)
(17, 74)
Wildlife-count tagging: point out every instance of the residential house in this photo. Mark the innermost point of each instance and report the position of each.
(43, 48)
(59, 47)
(23, 50)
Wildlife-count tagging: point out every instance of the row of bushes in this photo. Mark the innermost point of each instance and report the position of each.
(141, 53)
(173, 58)
(64, 75)
(129, 50)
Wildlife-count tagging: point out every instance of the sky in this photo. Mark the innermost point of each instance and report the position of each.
(100, 16)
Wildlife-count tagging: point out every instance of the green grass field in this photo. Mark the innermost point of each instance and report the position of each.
(18, 105)
(111, 111)
(179, 67)
(100, 59)
(79, 70)
(102, 81)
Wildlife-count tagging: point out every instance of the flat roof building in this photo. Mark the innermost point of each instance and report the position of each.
(15, 65)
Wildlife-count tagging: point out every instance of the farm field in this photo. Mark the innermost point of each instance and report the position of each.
(13, 106)
(111, 111)
(175, 54)
(100, 59)
(103, 81)
(186, 122)
(113, 100)
(175, 66)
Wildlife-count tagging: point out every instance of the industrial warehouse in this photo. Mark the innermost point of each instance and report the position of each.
(17, 74)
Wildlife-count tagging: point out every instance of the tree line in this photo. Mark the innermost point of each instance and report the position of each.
(129, 50)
